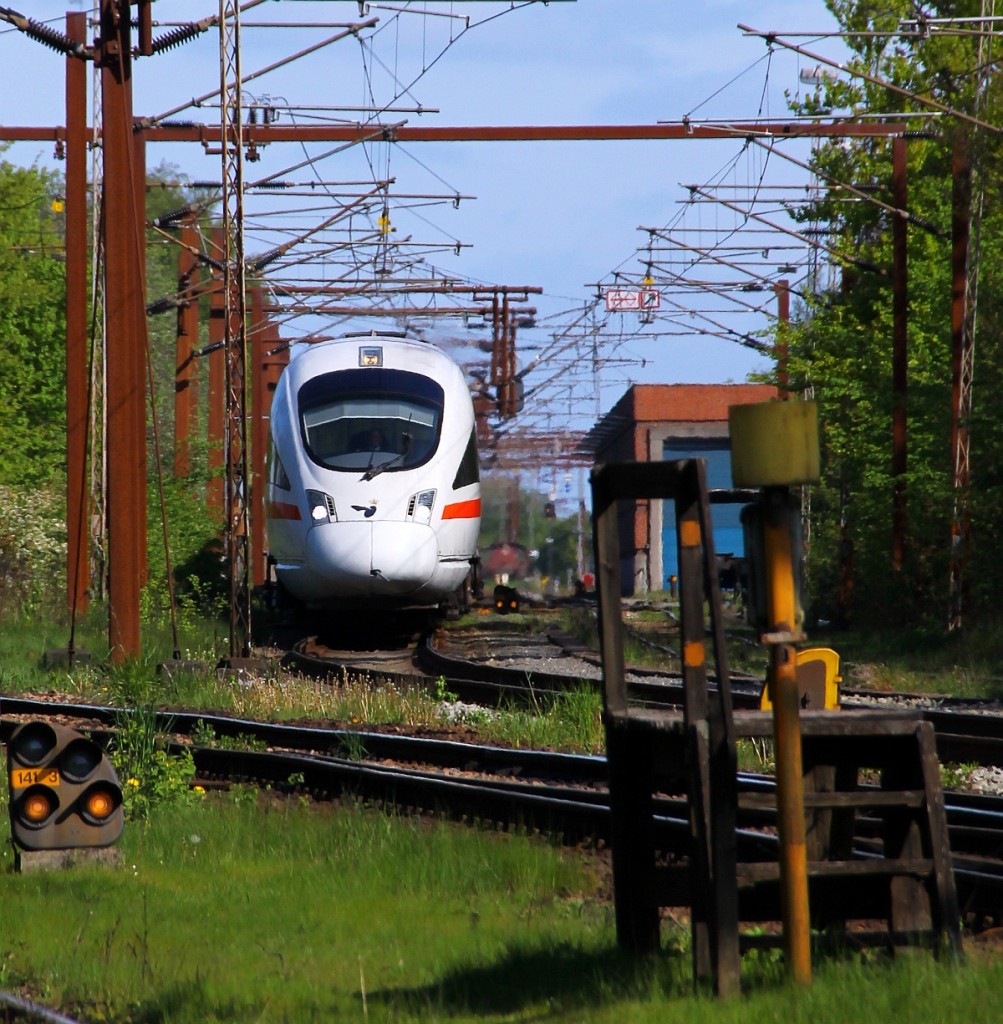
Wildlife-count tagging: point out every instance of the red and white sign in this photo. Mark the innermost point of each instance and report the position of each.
(619, 300)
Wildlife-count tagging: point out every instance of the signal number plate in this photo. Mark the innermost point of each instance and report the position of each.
(23, 777)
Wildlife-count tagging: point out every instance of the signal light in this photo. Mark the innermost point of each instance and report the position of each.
(506, 599)
(64, 793)
(37, 805)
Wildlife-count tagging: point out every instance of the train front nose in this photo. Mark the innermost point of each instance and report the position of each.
(370, 559)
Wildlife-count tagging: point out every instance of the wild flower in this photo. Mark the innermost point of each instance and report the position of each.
(154, 775)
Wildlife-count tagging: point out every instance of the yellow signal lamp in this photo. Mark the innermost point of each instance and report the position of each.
(100, 804)
(37, 806)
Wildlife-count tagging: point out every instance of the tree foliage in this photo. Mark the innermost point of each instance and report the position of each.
(33, 370)
(168, 191)
(191, 524)
(841, 347)
(510, 513)
(32, 326)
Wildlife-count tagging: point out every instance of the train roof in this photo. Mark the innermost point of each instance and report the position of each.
(371, 349)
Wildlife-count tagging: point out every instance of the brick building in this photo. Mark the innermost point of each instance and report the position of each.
(670, 421)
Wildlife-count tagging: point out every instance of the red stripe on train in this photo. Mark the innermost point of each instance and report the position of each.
(463, 509)
(282, 510)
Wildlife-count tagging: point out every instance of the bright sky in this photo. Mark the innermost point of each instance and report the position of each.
(563, 216)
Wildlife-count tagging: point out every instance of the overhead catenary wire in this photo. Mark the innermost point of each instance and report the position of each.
(253, 75)
(906, 215)
(837, 254)
(265, 227)
(927, 101)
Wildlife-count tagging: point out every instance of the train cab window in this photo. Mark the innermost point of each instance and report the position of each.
(276, 471)
(362, 419)
(469, 471)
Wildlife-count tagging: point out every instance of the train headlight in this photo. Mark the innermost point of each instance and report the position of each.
(321, 507)
(419, 507)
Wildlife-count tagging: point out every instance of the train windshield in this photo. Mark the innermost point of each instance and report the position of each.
(369, 418)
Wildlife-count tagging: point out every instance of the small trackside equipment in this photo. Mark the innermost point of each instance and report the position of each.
(64, 793)
(506, 599)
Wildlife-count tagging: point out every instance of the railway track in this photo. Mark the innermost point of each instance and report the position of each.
(558, 795)
(561, 795)
(494, 666)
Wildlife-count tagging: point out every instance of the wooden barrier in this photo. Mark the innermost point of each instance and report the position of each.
(898, 890)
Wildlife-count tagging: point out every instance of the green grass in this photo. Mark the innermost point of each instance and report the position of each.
(243, 908)
(571, 721)
(964, 665)
(240, 909)
(26, 639)
(916, 660)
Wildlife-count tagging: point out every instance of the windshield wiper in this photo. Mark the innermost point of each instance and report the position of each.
(376, 470)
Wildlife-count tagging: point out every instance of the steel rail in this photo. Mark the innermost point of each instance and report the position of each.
(18, 1008)
(574, 807)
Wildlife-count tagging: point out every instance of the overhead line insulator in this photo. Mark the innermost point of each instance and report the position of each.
(181, 35)
(161, 306)
(43, 34)
(170, 220)
(260, 262)
(926, 225)
(212, 261)
(206, 350)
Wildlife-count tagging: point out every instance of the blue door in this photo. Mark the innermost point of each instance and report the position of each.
(727, 524)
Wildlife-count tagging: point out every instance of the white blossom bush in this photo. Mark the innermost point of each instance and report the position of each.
(32, 549)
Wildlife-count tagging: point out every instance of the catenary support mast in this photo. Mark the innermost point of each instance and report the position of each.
(235, 435)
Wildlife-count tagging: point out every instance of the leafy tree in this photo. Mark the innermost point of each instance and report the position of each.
(32, 326)
(167, 191)
(554, 539)
(842, 344)
(190, 524)
(33, 370)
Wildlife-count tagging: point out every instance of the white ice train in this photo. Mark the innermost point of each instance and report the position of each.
(373, 479)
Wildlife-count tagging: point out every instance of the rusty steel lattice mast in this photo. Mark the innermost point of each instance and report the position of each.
(969, 190)
(236, 498)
